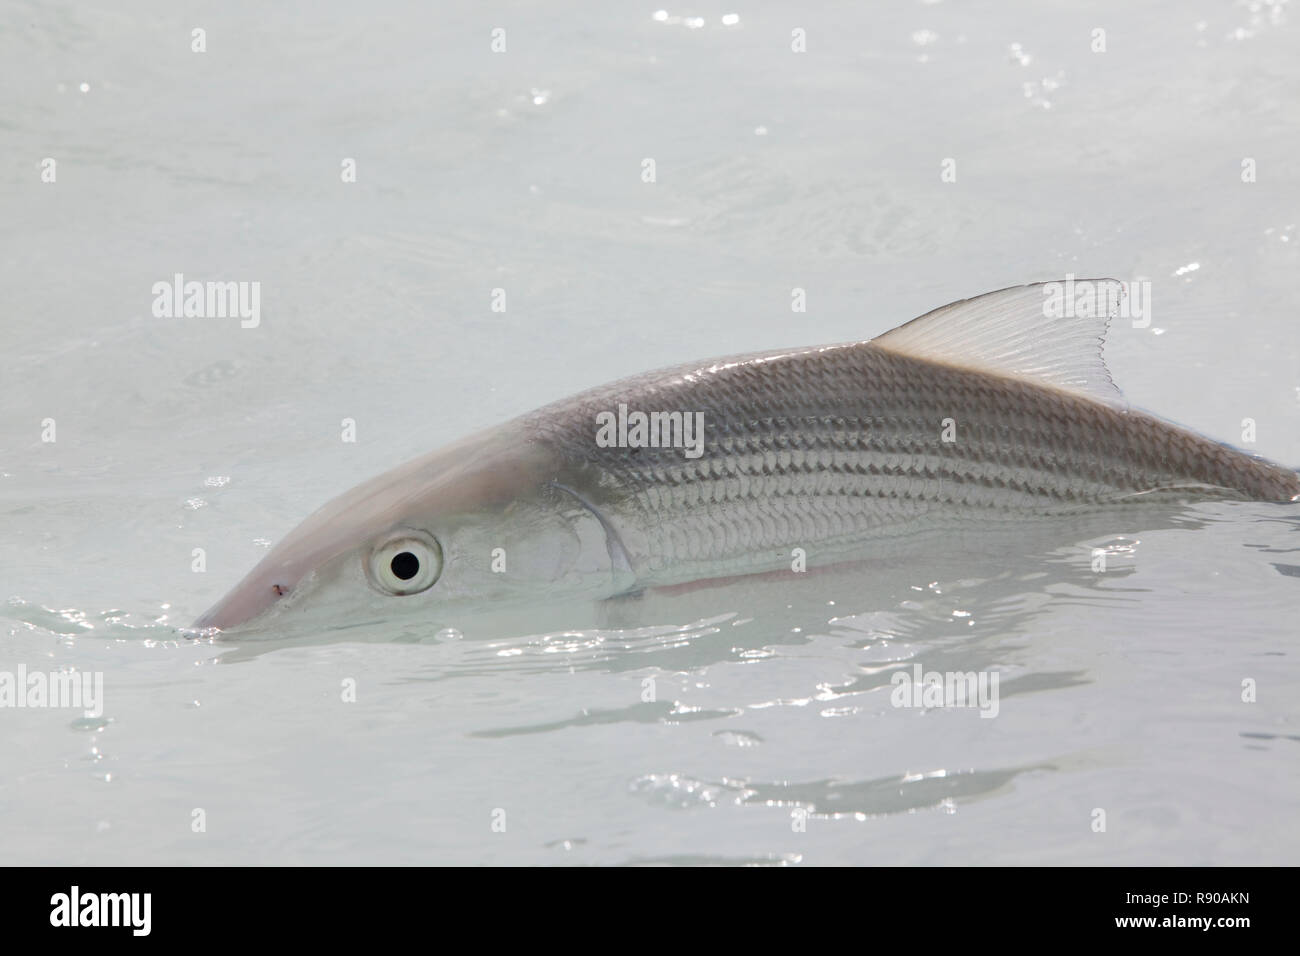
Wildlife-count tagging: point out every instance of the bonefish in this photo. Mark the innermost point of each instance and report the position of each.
(993, 408)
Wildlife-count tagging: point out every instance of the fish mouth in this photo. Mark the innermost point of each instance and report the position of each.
(248, 600)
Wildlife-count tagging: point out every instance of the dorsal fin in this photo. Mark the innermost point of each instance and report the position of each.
(1050, 333)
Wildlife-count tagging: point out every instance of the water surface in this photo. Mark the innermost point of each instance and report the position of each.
(747, 725)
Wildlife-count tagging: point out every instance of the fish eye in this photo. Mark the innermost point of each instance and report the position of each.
(407, 563)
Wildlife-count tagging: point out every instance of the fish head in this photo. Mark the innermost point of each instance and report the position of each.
(482, 523)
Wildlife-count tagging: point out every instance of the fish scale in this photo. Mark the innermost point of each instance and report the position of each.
(832, 444)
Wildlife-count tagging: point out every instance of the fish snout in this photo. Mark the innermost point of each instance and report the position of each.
(246, 601)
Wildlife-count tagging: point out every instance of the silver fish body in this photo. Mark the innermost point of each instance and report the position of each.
(825, 448)
(987, 410)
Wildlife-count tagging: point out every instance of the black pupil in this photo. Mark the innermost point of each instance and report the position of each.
(405, 565)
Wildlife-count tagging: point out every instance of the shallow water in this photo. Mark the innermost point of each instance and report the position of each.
(771, 737)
